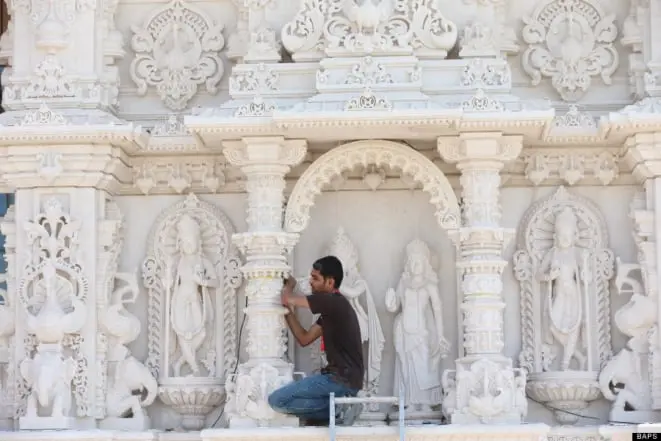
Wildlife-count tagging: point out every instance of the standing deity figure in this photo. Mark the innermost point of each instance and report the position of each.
(353, 287)
(191, 310)
(565, 269)
(418, 330)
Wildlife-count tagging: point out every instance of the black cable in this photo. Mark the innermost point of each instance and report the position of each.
(238, 356)
(577, 414)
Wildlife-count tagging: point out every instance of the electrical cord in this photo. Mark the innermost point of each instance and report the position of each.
(238, 356)
(587, 417)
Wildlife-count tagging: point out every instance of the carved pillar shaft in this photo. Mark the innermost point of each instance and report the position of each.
(66, 238)
(265, 162)
(480, 157)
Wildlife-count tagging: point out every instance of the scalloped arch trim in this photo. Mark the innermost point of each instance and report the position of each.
(369, 152)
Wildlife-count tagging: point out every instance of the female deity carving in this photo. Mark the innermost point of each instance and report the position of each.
(565, 268)
(418, 330)
(353, 287)
(190, 275)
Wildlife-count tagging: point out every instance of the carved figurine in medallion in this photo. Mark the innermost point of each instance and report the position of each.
(177, 49)
(564, 267)
(191, 275)
(189, 278)
(570, 41)
(418, 332)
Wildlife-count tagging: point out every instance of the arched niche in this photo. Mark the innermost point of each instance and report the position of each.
(372, 152)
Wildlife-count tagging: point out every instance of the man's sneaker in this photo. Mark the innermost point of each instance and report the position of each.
(351, 412)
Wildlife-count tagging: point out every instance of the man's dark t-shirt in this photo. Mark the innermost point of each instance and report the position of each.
(341, 334)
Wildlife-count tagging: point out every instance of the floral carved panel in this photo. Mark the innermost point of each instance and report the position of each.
(570, 42)
(177, 50)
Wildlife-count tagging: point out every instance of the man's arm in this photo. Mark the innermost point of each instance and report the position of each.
(288, 297)
(303, 337)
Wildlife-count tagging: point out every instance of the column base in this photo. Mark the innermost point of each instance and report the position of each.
(248, 392)
(485, 391)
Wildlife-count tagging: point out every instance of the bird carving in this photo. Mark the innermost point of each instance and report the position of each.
(369, 14)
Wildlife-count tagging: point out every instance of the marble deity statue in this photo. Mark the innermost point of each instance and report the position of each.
(565, 270)
(418, 330)
(354, 287)
(190, 275)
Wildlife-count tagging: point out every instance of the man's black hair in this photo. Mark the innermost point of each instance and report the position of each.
(330, 267)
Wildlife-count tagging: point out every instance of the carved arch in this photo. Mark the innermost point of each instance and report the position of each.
(217, 231)
(372, 152)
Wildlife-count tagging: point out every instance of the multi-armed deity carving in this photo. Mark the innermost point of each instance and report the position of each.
(192, 274)
(53, 292)
(418, 333)
(564, 267)
(570, 41)
(630, 378)
(177, 50)
(373, 27)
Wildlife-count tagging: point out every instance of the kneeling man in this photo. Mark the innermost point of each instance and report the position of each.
(338, 327)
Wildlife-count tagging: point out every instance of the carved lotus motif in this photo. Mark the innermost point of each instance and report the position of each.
(568, 392)
(193, 398)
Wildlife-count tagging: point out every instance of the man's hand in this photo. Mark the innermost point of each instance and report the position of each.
(284, 297)
(290, 284)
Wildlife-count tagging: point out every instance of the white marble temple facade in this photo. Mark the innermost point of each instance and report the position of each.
(489, 172)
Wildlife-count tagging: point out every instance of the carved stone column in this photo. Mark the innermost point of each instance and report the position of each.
(641, 154)
(66, 53)
(472, 391)
(64, 242)
(265, 162)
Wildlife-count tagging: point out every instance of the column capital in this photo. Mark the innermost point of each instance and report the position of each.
(479, 148)
(272, 150)
(642, 154)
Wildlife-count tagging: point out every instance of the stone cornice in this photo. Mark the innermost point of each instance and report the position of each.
(642, 155)
(274, 150)
(480, 147)
(104, 167)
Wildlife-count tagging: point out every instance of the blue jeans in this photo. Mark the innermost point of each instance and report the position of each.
(309, 398)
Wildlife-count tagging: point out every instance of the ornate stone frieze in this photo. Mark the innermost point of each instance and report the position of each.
(388, 27)
(191, 274)
(367, 101)
(165, 175)
(481, 73)
(487, 34)
(564, 266)
(570, 41)
(258, 79)
(570, 167)
(54, 73)
(8, 369)
(177, 50)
